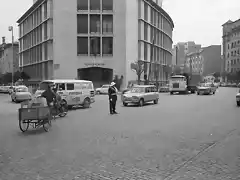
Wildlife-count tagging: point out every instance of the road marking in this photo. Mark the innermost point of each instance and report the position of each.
(195, 157)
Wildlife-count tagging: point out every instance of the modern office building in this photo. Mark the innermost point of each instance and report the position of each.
(94, 39)
(8, 57)
(231, 46)
(205, 61)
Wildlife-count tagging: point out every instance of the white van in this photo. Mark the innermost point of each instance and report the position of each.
(74, 92)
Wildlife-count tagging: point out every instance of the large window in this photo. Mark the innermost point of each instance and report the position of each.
(145, 31)
(107, 5)
(82, 45)
(95, 46)
(107, 23)
(82, 5)
(145, 52)
(107, 45)
(94, 4)
(82, 23)
(95, 23)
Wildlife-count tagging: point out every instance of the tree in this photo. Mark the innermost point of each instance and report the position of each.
(138, 67)
(216, 75)
(24, 76)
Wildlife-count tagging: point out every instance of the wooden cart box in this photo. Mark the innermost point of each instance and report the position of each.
(33, 113)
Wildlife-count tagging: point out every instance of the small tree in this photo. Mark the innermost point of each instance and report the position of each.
(138, 68)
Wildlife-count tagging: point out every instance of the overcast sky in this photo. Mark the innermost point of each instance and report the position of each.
(195, 20)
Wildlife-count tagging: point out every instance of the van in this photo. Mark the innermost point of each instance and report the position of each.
(74, 92)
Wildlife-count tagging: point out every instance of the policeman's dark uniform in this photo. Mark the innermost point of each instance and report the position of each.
(112, 93)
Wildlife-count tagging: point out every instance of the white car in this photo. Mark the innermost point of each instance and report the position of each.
(21, 93)
(238, 98)
(103, 89)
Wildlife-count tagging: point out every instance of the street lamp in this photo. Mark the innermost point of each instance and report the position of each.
(10, 28)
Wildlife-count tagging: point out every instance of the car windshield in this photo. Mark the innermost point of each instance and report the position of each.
(44, 85)
(22, 89)
(206, 85)
(138, 90)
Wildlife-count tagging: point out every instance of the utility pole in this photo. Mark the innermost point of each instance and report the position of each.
(176, 55)
(10, 28)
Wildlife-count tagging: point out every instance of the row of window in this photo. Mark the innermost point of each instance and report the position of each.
(97, 46)
(156, 18)
(34, 19)
(36, 54)
(234, 61)
(234, 44)
(149, 52)
(98, 23)
(38, 71)
(35, 37)
(94, 5)
(154, 35)
(234, 53)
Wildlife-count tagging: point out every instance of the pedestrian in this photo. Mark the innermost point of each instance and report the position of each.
(112, 93)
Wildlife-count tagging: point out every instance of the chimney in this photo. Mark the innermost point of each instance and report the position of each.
(3, 40)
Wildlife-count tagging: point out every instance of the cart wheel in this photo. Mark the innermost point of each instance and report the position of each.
(23, 125)
(47, 124)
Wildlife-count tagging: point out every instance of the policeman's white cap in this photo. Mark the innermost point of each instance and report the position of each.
(112, 83)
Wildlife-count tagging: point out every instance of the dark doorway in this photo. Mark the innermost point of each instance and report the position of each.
(97, 75)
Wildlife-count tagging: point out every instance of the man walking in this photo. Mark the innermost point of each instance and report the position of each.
(112, 93)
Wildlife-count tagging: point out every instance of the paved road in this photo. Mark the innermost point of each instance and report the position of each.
(183, 137)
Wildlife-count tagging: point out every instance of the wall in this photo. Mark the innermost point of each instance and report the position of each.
(212, 59)
(6, 61)
(65, 40)
(131, 38)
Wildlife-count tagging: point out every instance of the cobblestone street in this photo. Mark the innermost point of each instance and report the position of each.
(183, 137)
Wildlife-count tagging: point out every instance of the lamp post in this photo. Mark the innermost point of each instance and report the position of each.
(10, 28)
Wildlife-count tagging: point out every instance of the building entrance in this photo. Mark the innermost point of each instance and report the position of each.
(97, 75)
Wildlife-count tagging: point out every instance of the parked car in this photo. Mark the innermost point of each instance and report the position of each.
(103, 89)
(4, 89)
(140, 95)
(207, 88)
(238, 98)
(20, 93)
(164, 88)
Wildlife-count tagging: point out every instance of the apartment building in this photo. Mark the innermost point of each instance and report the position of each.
(231, 46)
(181, 49)
(93, 39)
(204, 61)
(8, 57)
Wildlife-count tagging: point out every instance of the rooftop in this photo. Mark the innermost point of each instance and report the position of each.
(230, 22)
(34, 6)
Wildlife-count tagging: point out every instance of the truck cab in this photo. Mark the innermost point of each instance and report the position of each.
(178, 83)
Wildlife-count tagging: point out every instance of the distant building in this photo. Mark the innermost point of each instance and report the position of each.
(9, 61)
(181, 49)
(94, 40)
(231, 46)
(205, 61)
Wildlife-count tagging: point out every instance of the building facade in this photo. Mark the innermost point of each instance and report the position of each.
(181, 49)
(231, 46)
(8, 57)
(93, 39)
(205, 61)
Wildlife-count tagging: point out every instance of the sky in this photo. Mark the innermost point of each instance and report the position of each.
(195, 20)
